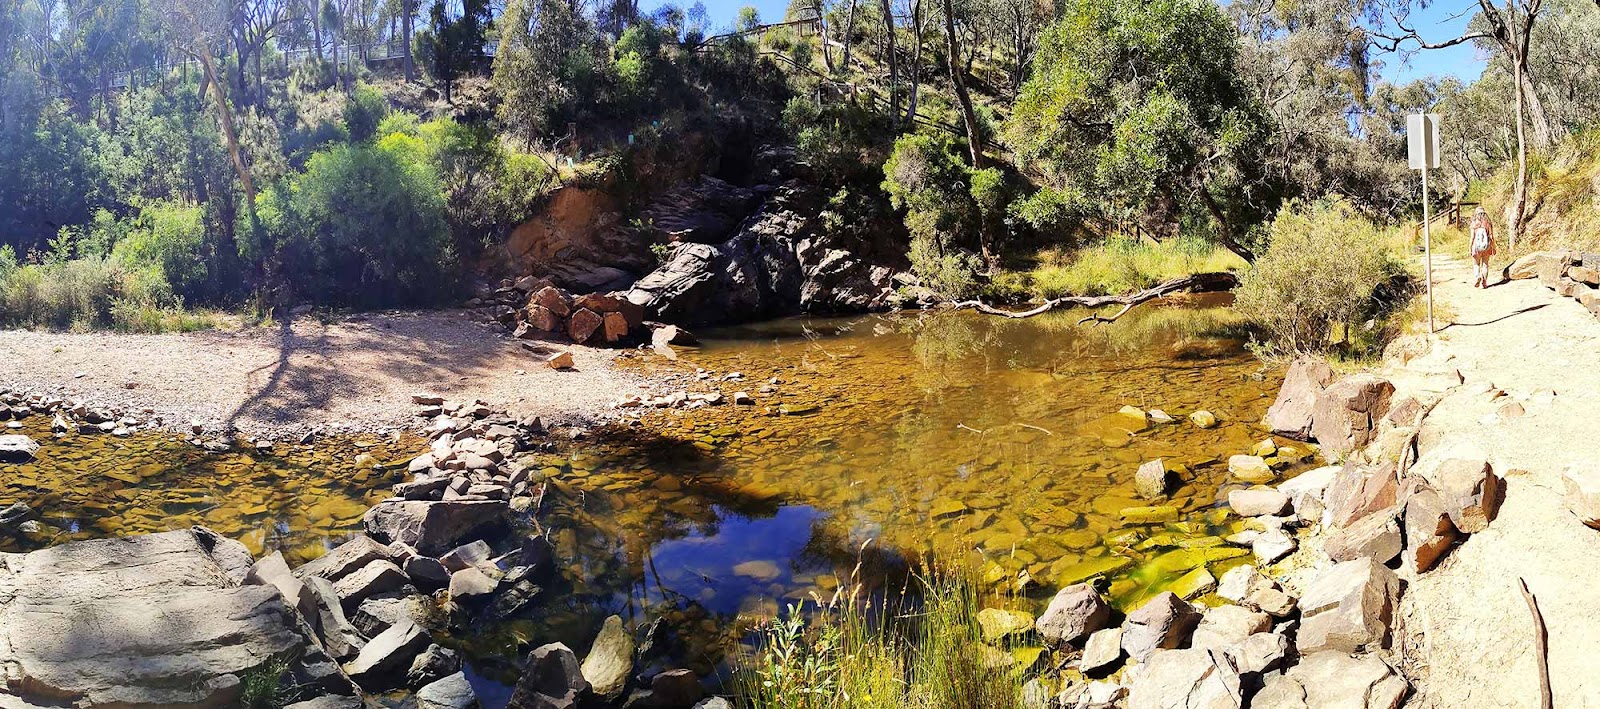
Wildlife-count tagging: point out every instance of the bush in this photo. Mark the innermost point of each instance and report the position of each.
(1323, 265)
(363, 226)
(169, 238)
(365, 110)
(87, 293)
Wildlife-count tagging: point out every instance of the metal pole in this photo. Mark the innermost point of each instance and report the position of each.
(1427, 242)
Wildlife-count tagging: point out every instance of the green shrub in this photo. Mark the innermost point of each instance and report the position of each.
(365, 111)
(363, 226)
(88, 293)
(925, 177)
(168, 237)
(1323, 266)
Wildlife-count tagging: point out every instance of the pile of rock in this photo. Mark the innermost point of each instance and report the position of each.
(533, 307)
(1393, 503)
(71, 416)
(443, 530)
(1568, 273)
(1265, 648)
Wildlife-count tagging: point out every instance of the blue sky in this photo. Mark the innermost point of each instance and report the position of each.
(1434, 23)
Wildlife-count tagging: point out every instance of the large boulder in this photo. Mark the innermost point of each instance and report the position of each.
(160, 619)
(1529, 266)
(1349, 607)
(552, 679)
(1290, 414)
(1074, 613)
(1347, 413)
(434, 528)
(1195, 678)
(752, 276)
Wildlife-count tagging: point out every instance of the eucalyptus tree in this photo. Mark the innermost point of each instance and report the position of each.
(1142, 103)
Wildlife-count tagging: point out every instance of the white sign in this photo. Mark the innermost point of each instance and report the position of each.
(1422, 141)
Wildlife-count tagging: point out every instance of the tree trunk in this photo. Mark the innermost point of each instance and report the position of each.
(1519, 201)
(1543, 133)
(822, 32)
(889, 56)
(225, 116)
(968, 116)
(1224, 227)
(916, 61)
(406, 8)
(849, 31)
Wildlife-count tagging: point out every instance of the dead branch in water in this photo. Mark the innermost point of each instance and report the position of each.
(1541, 646)
(1197, 283)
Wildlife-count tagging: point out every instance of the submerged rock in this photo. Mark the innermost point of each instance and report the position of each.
(1251, 469)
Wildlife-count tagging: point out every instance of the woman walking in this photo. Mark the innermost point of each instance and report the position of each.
(1482, 231)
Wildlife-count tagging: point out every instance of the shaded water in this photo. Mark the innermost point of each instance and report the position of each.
(884, 440)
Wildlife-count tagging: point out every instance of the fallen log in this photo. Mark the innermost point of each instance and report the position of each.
(1197, 283)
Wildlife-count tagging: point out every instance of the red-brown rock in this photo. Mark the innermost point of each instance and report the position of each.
(616, 327)
(583, 324)
(552, 299)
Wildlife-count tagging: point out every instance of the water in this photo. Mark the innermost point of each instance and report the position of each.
(885, 441)
(301, 500)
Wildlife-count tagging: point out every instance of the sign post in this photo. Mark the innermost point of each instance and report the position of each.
(1422, 153)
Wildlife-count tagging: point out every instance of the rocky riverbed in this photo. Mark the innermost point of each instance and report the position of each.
(1175, 552)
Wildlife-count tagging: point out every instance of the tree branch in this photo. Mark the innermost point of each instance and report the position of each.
(1197, 283)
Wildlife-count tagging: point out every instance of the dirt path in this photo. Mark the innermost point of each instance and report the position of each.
(1466, 620)
(354, 374)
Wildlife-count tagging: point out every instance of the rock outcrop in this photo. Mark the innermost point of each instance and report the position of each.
(778, 262)
(160, 619)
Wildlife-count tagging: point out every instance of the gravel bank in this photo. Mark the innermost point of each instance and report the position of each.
(353, 374)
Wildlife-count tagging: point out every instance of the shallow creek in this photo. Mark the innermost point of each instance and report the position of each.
(874, 442)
